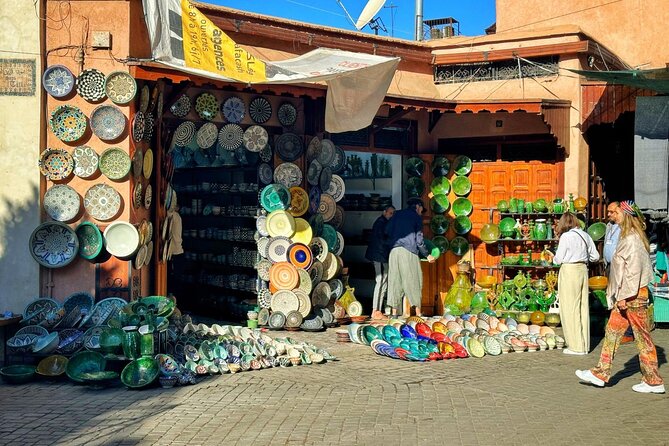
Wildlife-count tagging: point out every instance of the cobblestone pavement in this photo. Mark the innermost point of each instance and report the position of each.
(517, 398)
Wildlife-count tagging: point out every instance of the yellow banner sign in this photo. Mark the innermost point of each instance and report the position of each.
(207, 47)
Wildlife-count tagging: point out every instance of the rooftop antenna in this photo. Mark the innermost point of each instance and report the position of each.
(392, 18)
(348, 16)
(377, 24)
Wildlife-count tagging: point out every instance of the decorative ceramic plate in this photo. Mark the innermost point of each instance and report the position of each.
(137, 195)
(288, 174)
(299, 201)
(137, 163)
(261, 226)
(140, 257)
(314, 199)
(255, 138)
(148, 196)
(293, 319)
(327, 207)
(68, 123)
(90, 240)
(62, 203)
(414, 166)
(284, 276)
(265, 301)
(285, 301)
(276, 320)
(263, 267)
(138, 126)
(181, 107)
(149, 125)
(160, 103)
(120, 87)
(91, 85)
(321, 295)
(277, 249)
(56, 164)
(108, 122)
(149, 252)
(102, 202)
(324, 179)
(231, 137)
(184, 133)
(462, 165)
(115, 163)
(234, 109)
(338, 161)
(337, 187)
(85, 161)
(313, 149)
(275, 197)
(439, 224)
(440, 185)
(265, 174)
(266, 154)
(305, 302)
(280, 223)
(121, 239)
(206, 135)
(260, 110)
(461, 185)
(144, 98)
(147, 165)
(327, 152)
(287, 114)
(337, 220)
(462, 206)
(414, 187)
(54, 244)
(462, 225)
(289, 146)
(206, 106)
(314, 172)
(58, 81)
(441, 166)
(459, 245)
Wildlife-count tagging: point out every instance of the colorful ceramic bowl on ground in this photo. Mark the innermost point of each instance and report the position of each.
(17, 374)
(68, 123)
(84, 362)
(52, 366)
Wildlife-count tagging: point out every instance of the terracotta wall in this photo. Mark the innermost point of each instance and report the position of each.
(19, 150)
(632, 29)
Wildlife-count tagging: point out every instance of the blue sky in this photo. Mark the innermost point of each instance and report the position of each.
(474, 15)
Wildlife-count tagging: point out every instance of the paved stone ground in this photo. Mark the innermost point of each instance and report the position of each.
(362, 399)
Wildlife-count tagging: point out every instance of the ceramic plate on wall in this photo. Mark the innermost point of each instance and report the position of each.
(289, 146)
(62, 203)
(54, 244)
(260, 110)
(148, 196)
(147, 167)
(181, 107)
(68, 123)
(138, 126)
(234, 109)
(255, 138)
(102, 202)
(206, 135)
(91, 85)
(231, 137)
(287, 114)
(115, 163)
(56, 164)
(85, 161)
(90, 240)
(184, 133)
(121, 239)
(58, 81)
(120, 87)
(108, 122)
(206, 106)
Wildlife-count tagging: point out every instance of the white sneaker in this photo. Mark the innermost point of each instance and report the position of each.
(647, 388)
(587, 376)
(566, 351)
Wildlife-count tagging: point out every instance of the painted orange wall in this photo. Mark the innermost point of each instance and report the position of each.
(632, 29)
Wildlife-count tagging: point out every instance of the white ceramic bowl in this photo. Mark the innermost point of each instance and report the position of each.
(121, 239)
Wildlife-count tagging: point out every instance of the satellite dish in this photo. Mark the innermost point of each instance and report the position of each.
(368, 12)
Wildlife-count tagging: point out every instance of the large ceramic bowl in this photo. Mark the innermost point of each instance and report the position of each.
(597, 230)
(90, 240)
(84, 362)
(459, 246)
(108, 122)
(54, 244)
(140, 372)
(161, 305)
(58, 81)
(598, 282)
(507, 224)
(52, 366)
(68, 123)
(17, 374)
(490, 233)
(121, 239)
(111, 340)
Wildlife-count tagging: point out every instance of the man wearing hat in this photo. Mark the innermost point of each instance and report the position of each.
(377, 253)
(405, 239)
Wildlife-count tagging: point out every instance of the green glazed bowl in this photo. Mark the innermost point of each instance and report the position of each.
(540, 205)
(439, 224)
(459, 246)
(84, 362)
(462, 165)
(414, 166)
(432, 249)
(462, 225)
(507, 224)
(490, 233)
(503, 206)
(17, 374)
(440, 204)
(462, 206)
(442, 243)
(441, 166)
(111, 340)
(597, 230)
(461, 185)
(440, 185)
(161, 305)
(414, 187)
(140, 372)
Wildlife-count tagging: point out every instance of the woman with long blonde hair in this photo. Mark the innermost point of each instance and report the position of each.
(627, 296)
(575, 250)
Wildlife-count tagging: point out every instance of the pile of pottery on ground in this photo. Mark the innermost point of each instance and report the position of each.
(418, 339)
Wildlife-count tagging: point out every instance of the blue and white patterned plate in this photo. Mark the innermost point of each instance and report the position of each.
(61, 202)
(108, 122)
(54, 244)
(58, 81)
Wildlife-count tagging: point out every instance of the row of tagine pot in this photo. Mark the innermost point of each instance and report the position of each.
(418, 339)
(194, 352)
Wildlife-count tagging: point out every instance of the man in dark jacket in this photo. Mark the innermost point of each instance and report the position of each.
(405, 239)
(377, 253)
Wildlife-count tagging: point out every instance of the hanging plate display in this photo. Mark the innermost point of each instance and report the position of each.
(305, 281)
(338, 162)
(337, 188)
(289, 146)
(266, 154)
(280, 223)
(265, 174)
(275, 197)
(414, 166)
(206, 106)
(137, 196)
(102, 202)
(231, 137)
(300, 255)
(327, 207)
(327, 153)
(144, 98)
(462, 225)
(85, 161)
(91, 85)
(459, 246)
(441, 166)
(330, 237)
(338, 220)
(54, 244)
(461, 185)
(284, 276)
(120, 87)
(62, 203)
(462, 206)
(182, 106)
(260, 110)
(288, 174)
(56, 164)
(277, 249)
(90, 240)
(58, 81)
(115, 163)
(462, 165)
(287, 114)
(324, 180)
(233, 109)
(137, 163)
(314, 173)
(138, 126)
(293, 319)
(414, 187)
(206, 135)
(316, 273)
(121, 239)
(261, 226)
(441, 242)
(439, 224)
(68, 123)
(108, 122)
(299, 201)
(439, 203)
(440, 185)
(303, 233)
(285, 301)
(255, 138)
(147, 164)
(319, 248)
(331, 266)
(313, 149)
(263, 267)
(184, 133)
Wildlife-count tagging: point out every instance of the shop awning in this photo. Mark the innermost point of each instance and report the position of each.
(185, 39)
(655, 79)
